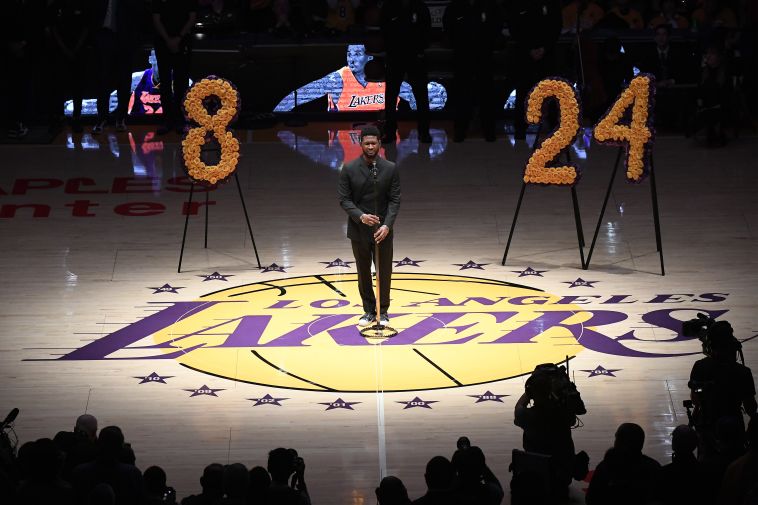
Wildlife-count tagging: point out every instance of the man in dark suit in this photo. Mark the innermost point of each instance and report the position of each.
(369, 191)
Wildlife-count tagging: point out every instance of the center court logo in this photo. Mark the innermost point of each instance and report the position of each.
(300, 333)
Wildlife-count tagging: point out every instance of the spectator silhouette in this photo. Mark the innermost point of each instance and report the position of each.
(44, 485)
(477, 484)
(212, 483)
(625, 476)
(236, 483)
(79, 446)
(391, 491)
(156, 491)
(536, 27)
(685, 481)
(616, 68)
(108, 468)
(281, 465)
(740, 483)
(406, 26)
(102, 494)
(440, 483)
(260, 480)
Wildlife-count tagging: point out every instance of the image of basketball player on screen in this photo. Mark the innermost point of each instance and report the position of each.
(347, 89)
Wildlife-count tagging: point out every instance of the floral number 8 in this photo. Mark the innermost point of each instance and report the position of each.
(537, 171)
(211, 124)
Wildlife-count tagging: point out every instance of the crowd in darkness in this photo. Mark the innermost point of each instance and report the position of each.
(702, 52)
(714, 460)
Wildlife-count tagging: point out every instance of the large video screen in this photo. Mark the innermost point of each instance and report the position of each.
(145, 97)
(348, 90)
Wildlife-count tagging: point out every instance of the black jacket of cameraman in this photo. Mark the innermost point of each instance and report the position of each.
(720, 387)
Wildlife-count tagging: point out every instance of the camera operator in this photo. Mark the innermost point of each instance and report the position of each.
(547, 423)
(720, 388)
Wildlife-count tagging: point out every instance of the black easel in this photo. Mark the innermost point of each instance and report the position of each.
(656, 216)
(575, 203)
(186, 221)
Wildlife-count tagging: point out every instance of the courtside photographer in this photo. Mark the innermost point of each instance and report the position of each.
(547, 411)
(720, 388)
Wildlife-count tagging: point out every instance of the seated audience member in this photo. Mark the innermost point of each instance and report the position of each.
(588, 11)
(341, 15)
(629, 14)
(236, 484)
(156, 491)
(108, 468)
(669, 17)
(259, 480)
(391, 491)
(740, 483)
(685, 481)
(79, 446)
(625, 476)
(283, 463)
(440, 483)
(44, 485)
(102, 494)
(713, 14)
(212, 483)
(476, 482)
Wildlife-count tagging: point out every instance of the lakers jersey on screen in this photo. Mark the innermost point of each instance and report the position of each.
(356, 97)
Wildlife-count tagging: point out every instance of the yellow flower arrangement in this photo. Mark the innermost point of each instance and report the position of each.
(216, 125)
(637, 136)
(537, 171)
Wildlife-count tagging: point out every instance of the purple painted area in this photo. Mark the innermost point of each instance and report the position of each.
(100, 349)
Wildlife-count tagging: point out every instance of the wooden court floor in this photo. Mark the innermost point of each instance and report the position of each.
(224, 361)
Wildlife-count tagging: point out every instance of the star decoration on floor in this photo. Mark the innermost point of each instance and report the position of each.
(154, 377)
(488, 396)
(267, 400)
(166, 288)
(471, 264)
(407, 262)
(529, 271)
(203, 390)
(579, 282)
(215, 276)
(337, 263)
(339, 403)
(418, 402)
(599, 370)
(273, 267)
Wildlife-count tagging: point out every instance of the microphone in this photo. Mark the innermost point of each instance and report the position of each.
(374, 172)
(9, 418)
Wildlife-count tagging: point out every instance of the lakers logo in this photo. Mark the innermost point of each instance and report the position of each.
(300, 333)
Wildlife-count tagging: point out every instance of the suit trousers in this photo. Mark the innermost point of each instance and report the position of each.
(363, 251)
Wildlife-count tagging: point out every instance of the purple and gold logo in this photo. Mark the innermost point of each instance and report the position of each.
(453, 330)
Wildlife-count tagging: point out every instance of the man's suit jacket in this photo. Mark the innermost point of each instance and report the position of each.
(355, 193)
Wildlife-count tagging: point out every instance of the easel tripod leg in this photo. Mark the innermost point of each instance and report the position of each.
(656, 215)
(513, 224)
(578, 221)
(247, 218)
(186, 223)
(602, 210)
(206, 217)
